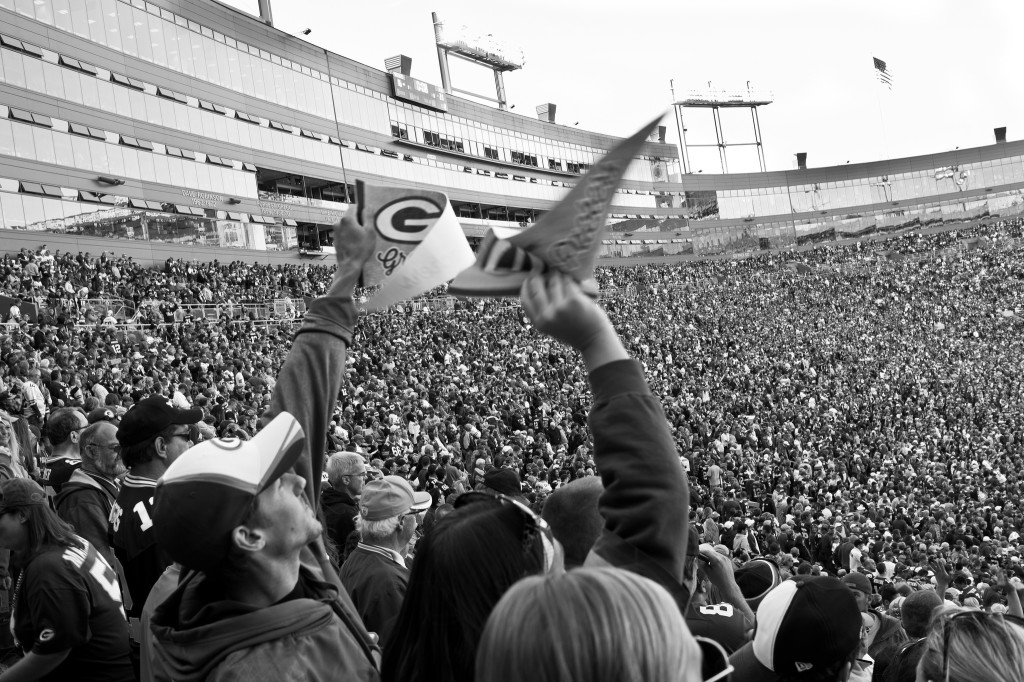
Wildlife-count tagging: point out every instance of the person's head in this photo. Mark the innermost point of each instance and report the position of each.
(154, 430)
(573, 515)
(27, 523)
(228, 505)
(463, 566)
(7, 438)
(64, 428)
(389, 511)
(967, 645)
(101, 451)
(589, 624)
(807, 630)
(503, 482)
(916, 611)
(756, 579)
(346, 472)
(860, 586)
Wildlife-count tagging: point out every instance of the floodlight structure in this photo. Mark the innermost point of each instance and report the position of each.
(714, 100)
(479, 50)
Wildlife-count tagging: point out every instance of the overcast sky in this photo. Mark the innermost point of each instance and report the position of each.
(956, 66)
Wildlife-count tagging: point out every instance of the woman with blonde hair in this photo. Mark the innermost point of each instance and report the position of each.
(970, 645)
(589, 624)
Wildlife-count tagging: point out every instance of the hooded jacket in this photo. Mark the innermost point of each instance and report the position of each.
(340, 512)
(200, 636)
(85, 502)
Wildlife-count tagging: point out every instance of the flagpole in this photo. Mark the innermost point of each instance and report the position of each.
(883, 78)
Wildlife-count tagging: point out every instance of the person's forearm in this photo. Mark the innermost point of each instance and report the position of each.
(731, 594)
(33, 667)
(604, 348)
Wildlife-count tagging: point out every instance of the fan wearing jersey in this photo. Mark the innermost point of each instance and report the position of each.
(152, 435)
(728, 622)
(66, 611)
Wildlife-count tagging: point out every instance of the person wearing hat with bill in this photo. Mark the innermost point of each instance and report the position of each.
(375, 574)
(258, 598)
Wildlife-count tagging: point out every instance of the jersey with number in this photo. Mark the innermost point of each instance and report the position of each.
(131, 525)
(68, 599)
(720, 622)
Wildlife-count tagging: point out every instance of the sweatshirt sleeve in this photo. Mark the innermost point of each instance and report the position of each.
(645, 503)
(308, 384)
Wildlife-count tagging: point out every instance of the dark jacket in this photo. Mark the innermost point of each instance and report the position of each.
(85, 502)
(377, 586)
(645, 504)
(890, 637)
(201, 637)
(340, 512)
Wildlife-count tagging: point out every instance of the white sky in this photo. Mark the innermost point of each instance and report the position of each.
(958, 67)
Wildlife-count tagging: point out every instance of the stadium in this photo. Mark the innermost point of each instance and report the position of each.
(819, 368)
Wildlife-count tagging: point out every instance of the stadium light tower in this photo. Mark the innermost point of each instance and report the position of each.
(479, 50)
(714, 100)
(266, 15)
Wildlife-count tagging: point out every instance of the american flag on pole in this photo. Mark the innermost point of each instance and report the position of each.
(882, 72)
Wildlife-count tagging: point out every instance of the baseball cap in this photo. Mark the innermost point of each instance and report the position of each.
(858, 581)
(149, 417)
(756, 579)
(103, 414)
(806, 623)
(207, 491)
(389, 497)
(16, 493)
(503, 481)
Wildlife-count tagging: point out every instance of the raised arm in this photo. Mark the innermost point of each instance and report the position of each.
(646, 497)
(311, 377)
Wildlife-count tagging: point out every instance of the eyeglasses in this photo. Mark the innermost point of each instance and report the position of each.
(534, 526)
(184, 435)
(976, 617)
(715, 665)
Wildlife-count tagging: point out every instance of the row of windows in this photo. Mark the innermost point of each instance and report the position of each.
(161, 37)
(764, 201)
(113, 156)
(159, 106)
(55, 209)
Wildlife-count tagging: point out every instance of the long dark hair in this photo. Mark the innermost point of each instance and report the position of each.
(462, 568)
(45, 529)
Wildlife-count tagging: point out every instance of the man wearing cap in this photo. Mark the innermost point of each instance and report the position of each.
(346, 472)
(883, 635)
(258, 596)
(807, 628)
(375, 574)
(152, 434)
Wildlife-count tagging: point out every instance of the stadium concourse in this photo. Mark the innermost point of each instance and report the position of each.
(852, 411)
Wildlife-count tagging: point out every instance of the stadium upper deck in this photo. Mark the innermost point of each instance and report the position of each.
(183, 123)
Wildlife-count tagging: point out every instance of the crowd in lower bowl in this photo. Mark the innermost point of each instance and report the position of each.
(728, 469)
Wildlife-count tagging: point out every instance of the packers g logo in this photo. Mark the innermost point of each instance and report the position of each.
(406, 220)
(46, 635)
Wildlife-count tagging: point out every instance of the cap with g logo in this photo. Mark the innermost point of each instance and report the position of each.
(206, 492)
(18, 493)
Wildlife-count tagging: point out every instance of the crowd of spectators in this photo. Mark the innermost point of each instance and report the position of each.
(851, 411)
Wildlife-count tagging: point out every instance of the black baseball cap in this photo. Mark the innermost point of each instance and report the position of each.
(148, 417)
